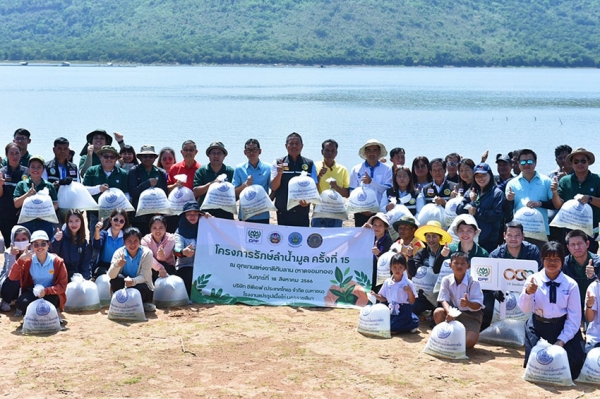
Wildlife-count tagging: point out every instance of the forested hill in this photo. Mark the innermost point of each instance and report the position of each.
(382, 32)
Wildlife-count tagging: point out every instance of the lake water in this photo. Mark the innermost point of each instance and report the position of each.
(427, 111)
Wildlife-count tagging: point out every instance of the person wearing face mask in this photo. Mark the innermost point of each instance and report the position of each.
(19, 237)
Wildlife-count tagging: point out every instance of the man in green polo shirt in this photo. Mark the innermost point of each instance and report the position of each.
(101, 177)
(207, 175)
(583, 182)
(581, 265)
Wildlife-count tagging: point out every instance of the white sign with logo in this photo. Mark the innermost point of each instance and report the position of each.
(260, 264)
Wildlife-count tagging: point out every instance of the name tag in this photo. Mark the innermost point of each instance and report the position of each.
(73, 172)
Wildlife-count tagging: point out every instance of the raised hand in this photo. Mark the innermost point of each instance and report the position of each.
(121, 262)
(445, 251)
(464, 301)
(589, 269)
(531, 288)
(100, 224)
(58, 235)
(189, 251)
(510, 195)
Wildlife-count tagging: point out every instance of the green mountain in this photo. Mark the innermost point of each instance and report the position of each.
(559, 33)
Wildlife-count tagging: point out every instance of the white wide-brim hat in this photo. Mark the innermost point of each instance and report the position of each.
(369, 143)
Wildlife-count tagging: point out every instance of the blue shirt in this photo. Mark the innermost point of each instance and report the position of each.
(261, 175)
(538, 189)
(111, 245)
(42, 273)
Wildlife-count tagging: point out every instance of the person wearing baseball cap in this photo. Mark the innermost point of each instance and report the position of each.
(504, 168)
(207, 175)
(408, 245)
(371, 173)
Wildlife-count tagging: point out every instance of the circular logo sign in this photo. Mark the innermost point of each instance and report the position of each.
(511, 301)
(295, 239)
(544, 358)
(314, 240)
(223, 188)
(122, 296)
(362, 196)
(110, 198)
(333, 195)
(421, 272)
(37, 201)
(43, 308)
(275, 238)
(444, 332)
(178, 194)
(304, 183)
(250, 194)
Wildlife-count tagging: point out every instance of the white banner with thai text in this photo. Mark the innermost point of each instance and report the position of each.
(260, 264)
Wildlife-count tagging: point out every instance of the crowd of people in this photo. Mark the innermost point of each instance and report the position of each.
(136, 250)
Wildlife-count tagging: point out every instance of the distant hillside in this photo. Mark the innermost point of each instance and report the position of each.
(385, 32)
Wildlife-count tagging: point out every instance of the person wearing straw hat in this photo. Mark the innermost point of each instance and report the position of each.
(371, 173)
(436, 237)
(141, 177)
(408, 245)
(581, 183)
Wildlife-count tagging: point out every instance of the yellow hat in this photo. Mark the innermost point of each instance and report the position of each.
(433, 226)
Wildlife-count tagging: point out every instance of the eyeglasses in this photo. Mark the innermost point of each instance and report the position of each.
(21, 138)
(216, 153)
(109, 156)
(452, 164)
(251, 150)
(117, 220)
(583, 161)
(527, 162)
(42, 244)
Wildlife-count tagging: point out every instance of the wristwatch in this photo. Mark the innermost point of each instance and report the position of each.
(589, 199)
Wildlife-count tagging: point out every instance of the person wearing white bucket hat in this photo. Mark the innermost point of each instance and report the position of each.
(379, 223)
(371, 173)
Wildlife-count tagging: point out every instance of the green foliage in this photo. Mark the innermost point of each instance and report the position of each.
(557, 33)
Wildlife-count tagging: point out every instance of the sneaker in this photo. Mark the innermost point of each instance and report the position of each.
(414, 330)
(5, 307)
(149, 307)
(18, 313)
(63, 322)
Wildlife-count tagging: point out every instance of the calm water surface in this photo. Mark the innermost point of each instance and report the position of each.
(428, 111)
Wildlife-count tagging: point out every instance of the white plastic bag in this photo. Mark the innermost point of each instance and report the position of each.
(332, 206)
(304, 188)
(41, 318)
(103, 284)
(220, 195)
(180, 196)
(383, 267)
(513, 311)
(447, 340)
(153, 200)
(548, 364)
(432, 212)
(397, 212)
(76, 196)
(38, 206)
(374, 321)
(126, 304)
(82, 295)
(507, 332)
(444, 271)
(112, 199)
(425, 280)
(533, 223)
(170, 292)
(575, 215)
(450, 210)
(590, 373)
(362, 199)
(254, 200)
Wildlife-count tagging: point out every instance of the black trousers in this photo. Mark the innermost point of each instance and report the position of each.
(287, 218)
(118, 283)
(27, 298)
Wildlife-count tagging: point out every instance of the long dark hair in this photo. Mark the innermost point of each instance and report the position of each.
(411, 185)
(79, 237)
(129, 149)
(425, 160)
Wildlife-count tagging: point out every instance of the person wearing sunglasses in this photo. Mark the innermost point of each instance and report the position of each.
(106, 242)
(38, 266)
(102, 177)
(142, 177)
(452, 161)
(530, 188)
(582, 184)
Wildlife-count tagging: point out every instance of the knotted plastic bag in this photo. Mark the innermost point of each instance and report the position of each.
(302, 188)
(178, 197)
(450, 210)
(383, 267)
(82, 295)
(432, 212)
(41, 317)
(444, 271)
(170, 292)
(126, 304)
(38, 206)
(153, 200)
(112, 199)
(533, 223)
(362, 199)
(548, 364)
(254, 200)
(332, 206)
(76, 196)
(590, 373)
(220, 195)
(397, 212)
(576, 216)
(448, 341)
(103, 284)
(425, 280)
(374, 321)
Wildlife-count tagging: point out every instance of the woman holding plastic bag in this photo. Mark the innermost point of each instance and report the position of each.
(380, 224)
(553, 298)
(402, 192)
(131, 267)
(39, 267)
(161, 243)
(106, 242)
(70, 244)
(484, 202)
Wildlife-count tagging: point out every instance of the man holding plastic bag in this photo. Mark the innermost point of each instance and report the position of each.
(252, 172)
(207, 175)
(331, 176)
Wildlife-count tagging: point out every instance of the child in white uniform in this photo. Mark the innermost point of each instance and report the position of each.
(399, 292)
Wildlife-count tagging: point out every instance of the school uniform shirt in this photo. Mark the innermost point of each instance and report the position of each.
(567, 302)
(394, 292)
(381, 177)
(592, 334)
(451, 292)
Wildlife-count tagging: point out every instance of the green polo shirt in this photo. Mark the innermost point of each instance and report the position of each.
(206, 174)
(24, 185)
(475, 252)
(95, 176)
(569, 186)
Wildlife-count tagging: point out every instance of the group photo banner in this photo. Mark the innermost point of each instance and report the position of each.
(259, 264)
